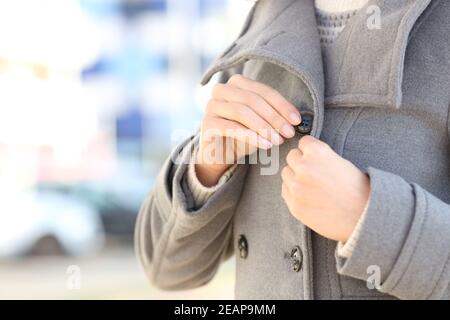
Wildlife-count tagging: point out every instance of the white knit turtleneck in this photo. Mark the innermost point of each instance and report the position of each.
(333, 15)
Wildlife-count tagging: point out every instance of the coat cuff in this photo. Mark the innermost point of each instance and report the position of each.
(345, 250)
(405, 237)
(188, 216)
(200, 193)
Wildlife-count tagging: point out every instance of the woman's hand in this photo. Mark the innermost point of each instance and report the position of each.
(323, 190)
(241, 116)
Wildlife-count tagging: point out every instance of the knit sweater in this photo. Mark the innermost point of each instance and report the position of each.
(332, 17)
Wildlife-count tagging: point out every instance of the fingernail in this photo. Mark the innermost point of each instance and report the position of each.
(295, 118)
(276, 138)
(288, 131)
(263, 143)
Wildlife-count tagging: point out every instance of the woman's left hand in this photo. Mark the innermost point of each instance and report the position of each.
(324, 191)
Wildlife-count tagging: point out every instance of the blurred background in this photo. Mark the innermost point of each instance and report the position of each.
(93, 95)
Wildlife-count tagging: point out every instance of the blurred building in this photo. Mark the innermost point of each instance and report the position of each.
(94, 93)
(146, 78)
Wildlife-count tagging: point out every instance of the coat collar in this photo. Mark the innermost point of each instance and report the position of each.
(365, 67)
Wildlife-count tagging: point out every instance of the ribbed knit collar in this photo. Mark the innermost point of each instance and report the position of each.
(330, 25)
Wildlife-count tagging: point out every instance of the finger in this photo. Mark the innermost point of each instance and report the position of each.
(287, 174)
(285, 193)
(308, 145)
(232, 129)
(272, 96)
(225, 92)
(294, 158)
(289, 179)
(245, 116)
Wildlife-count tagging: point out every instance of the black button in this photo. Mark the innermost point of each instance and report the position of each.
(296, 266)
(243, 246)
(296, 258)
(305, 126)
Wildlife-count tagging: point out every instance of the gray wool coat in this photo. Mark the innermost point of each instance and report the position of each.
(381, 100)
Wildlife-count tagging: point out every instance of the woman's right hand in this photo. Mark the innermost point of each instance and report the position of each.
(241, 116)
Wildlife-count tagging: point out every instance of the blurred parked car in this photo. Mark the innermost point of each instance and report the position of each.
(46, 223)
(117, 201)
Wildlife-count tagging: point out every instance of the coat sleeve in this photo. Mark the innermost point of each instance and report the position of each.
(405, 235)
(180, 248)
(178, 245)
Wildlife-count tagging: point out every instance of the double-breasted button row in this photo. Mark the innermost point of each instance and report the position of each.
(296, 255)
